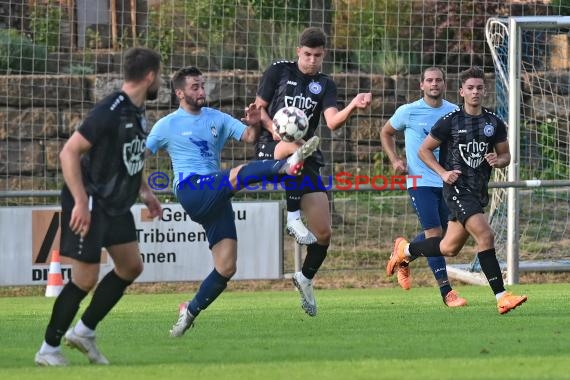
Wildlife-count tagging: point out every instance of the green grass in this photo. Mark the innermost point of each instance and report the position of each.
(358, 334)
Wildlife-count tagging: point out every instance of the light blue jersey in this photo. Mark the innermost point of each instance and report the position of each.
(194, 142)
(416, 120)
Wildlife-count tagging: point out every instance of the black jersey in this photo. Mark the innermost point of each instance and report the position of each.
(283, 85)
(465, 139)
(112, 168)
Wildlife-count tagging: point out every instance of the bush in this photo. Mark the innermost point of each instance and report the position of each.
(45, 23)
(19, 55)
(277, 42)
(376, 32)
(222, 28)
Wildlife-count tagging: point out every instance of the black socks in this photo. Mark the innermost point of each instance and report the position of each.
(108, 293)
(490, 266)
(64, 309)
(316, 255)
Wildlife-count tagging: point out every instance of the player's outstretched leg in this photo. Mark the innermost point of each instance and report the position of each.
(294, 163)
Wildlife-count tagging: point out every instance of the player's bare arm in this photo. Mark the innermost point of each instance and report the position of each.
(70, 158)
(149, 199)
(335, 118)
(252, 119)
(266, 121)
(427, 156)
(501, 157)
(388, 141)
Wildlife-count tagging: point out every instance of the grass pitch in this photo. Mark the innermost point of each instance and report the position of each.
(358, 334)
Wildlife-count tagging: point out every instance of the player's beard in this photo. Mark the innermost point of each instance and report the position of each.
(194, 103)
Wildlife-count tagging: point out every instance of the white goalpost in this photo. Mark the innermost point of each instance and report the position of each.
(531, 57)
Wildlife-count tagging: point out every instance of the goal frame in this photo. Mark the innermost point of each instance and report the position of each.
(511, 79)
(516, 25)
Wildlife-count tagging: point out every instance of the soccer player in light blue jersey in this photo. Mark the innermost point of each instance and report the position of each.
(194, 136)
(416, 120)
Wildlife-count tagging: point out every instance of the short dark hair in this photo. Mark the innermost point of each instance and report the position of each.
(473, 72)
(179, 77)
(432, 68)
(138, 62)
(313, 37)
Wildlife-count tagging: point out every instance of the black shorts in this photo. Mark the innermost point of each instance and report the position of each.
(105, 231)
(310, 180)
(463, 203)
(265, 150)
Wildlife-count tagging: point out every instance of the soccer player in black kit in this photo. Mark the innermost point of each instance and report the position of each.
(301, 84)
(102, 165)
(472, 141)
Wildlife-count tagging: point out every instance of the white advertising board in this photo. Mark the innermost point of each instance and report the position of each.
(173, 247)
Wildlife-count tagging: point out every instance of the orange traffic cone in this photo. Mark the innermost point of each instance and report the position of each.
(55, 279)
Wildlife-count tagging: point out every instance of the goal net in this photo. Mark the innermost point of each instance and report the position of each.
(531, 57)
(59, 57)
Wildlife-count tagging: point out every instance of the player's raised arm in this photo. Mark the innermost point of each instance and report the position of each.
(266, 120)
(252, 119)
(335, 118)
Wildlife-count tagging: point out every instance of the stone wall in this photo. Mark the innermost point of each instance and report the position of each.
(38, 114)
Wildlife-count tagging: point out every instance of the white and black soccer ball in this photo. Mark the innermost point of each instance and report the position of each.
(290, 123)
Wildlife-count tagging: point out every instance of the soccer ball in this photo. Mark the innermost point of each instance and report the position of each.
(290, 123)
